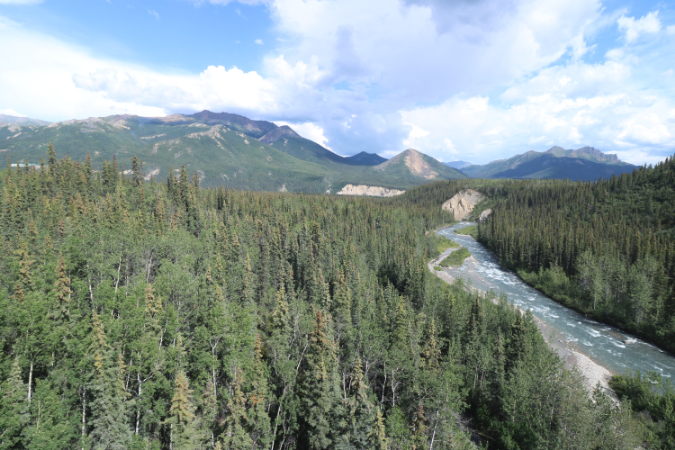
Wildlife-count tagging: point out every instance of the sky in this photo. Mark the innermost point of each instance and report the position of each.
(472, 80)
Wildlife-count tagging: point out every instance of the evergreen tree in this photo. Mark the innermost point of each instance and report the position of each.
(182, 435)
(318, 386)
(109, 427)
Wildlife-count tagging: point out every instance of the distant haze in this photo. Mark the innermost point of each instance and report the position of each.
(458, 164)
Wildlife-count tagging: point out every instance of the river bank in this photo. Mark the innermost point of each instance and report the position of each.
(592, 372)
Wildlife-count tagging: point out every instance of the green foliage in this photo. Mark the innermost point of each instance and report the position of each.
(652, 397)
(469, 231)
(456, 258)
(443, 243)
(158, 315)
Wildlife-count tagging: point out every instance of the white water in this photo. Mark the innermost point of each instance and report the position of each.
(602, 343)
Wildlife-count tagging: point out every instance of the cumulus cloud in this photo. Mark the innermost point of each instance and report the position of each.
(586, 105)
(400, 48)
(382, 56)
(634, 28)
(308, 130)
(259, 41)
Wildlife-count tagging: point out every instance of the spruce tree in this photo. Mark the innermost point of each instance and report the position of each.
(182, 433)
(235, 436)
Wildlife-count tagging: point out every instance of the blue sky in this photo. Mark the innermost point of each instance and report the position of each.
(475, 80)
(164, 35)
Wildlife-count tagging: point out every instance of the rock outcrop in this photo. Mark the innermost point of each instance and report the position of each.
(463, 203)
(484, 215)
(372, 191)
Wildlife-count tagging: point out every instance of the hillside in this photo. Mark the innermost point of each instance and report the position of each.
(224, 149)
(289, 142)
(584, 164)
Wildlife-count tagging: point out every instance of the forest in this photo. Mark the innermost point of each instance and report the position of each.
(161, 315)
(604, 248)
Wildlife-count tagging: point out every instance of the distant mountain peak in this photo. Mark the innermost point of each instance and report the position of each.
(414, 161)
(458, 164)
(25, 121)
(253, 128)
(366, 159)
(586, 163)
(283, 131)
(584, 152)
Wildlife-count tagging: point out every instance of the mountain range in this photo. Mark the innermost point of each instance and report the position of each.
(458, 164)
(229, 149)
(222, 148)
(584, 164)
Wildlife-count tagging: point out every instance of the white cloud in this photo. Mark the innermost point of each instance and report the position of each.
(308, 130)
(40, 71)
(599, 107)
(153, 13)
(11, 112)
(387, 56)
(634, 28)
(400, 48)
(259, 41)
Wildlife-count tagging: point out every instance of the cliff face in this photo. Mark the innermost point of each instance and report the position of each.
(372, 191)
(462, 203)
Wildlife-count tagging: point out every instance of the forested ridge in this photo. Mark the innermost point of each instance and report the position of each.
(163, 315)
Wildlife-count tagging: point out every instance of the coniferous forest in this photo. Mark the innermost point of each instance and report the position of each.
(605, 248)
(162, 315)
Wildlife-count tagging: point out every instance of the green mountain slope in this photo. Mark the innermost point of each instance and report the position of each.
(224, 149)
(290, 142)
(220, 155)
(366, 159)
(583, 164)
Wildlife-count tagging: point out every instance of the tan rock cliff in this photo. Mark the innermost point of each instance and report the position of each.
(372, 191)
(463, 203)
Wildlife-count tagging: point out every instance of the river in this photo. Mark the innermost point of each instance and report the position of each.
(604, 344)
